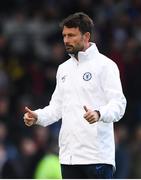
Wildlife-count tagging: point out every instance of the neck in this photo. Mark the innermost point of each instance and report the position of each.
(86, 46)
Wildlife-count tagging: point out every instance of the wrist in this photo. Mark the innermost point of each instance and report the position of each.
(98, 113)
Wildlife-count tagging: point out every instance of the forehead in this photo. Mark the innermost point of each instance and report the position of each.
(67, 30)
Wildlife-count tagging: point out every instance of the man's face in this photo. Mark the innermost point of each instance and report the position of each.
(74, 40)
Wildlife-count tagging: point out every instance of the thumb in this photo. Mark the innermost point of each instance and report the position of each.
(30, 112)
(85, 108)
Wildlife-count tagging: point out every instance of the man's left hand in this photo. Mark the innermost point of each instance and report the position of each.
(91, 116)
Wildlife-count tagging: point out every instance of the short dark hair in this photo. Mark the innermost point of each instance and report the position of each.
(80, 20)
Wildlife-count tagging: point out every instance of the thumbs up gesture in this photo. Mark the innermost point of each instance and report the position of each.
(90, 115)
(30, 117)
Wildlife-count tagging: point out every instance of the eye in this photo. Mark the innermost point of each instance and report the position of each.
(71, 35)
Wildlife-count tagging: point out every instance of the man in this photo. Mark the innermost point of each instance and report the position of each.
(89, 99)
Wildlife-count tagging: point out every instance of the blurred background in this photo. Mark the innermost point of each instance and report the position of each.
(31, 49)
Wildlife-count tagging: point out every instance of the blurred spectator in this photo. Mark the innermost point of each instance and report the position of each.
(28, 157)
(3, 157)
(11, 150)
(15, 29)
(4, 81)
(135, 147)
(4, 109)
(9, 165)
(42, 137)
(37, 79)
(117, 55)
(48, 168)
(133, 65)
(123, 159)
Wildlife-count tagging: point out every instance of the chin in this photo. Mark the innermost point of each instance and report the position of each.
(69, 52)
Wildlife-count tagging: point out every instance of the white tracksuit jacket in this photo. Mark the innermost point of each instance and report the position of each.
(93, 81)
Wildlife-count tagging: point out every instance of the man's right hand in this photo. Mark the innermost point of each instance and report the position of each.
(30, 117)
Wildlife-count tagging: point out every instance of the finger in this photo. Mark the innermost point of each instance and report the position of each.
(28, 116)
(87, 115)
(31, 113)
(93, 120)
(28, 110)
(29, 119)
(85, 108)
(28, 123)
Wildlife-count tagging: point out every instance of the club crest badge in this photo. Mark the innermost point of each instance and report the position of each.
(87, 76)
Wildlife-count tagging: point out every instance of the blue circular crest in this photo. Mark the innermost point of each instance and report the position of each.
(87, 76)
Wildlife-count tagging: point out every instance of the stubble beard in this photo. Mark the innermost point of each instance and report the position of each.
(74, 50)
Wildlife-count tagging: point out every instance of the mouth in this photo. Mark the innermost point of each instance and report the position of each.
(69, 46)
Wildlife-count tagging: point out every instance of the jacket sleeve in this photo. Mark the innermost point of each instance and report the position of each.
(52, 112)
(116, 103)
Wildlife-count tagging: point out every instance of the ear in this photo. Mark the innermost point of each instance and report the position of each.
(87, 36)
